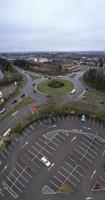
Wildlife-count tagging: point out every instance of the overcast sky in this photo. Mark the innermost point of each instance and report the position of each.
(52, 25)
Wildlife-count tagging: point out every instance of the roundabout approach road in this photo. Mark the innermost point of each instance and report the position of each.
(38, 97)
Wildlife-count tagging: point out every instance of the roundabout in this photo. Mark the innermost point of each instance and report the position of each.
(55, 86)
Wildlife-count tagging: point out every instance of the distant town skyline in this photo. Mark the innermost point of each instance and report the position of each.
(46, 25)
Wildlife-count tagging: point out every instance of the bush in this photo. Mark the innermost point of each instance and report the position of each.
(56, 84)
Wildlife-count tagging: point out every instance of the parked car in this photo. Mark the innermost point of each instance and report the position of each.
(2, 110)
(23, 95)
(14, 101)
(45, 161)
(83, 118)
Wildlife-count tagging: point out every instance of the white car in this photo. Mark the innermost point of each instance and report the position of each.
(73, 91)
(2, 111)
(60, 76)
(45, 161)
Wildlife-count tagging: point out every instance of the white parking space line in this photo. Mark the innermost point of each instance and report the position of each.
(84, 156)
(14, 184)
(9, 147)
(102, 179)
(61, 136)
(87, 147)
(54, 184)
(66, 178)
(61, 174)
(32, 127)
(85, 150)
(55, 143)
(13, 143)
(1, 192)
(72, 182)
(33, 154)
(71, 174)
(97, 143)
(37, 151)
(3, 155)
(47, 144)
(24, 169)
(65, 169)
(57, 178)
(58, 140)
(16, 180)
(44, 148)
(75, 169)
(93, 145)
(4, 169)
(21, 175)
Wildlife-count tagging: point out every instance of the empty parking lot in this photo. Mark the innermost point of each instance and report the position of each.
(72, 148)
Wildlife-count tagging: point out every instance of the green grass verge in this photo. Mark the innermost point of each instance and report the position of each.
(56, 109)
(19, 89)
(34, 77)
(23, 103)
(92, 97)
(44, 88)
(26, 101)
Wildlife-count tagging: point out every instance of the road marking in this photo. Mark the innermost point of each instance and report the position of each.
(73, 139)
(24, 145)
(4, 169)
(24, 169)
(58, 140)
(83, 155)
(57, 178)
(53, 126)
(89, 198)
(93, 174)
(85, 150)
(102, 179)
(54, 184)
(75, 169)
(61, 136)
(81, 94)
(1, 192)
(51, 166)
(87, 146)
(17, 179)
(87, 128)
(103, 153)
(14, 184)
(21, 175)
(13, 114)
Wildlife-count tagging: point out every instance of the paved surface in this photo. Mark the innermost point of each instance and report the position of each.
(77, 154)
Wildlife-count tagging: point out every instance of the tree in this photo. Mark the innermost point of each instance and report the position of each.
(100, 62)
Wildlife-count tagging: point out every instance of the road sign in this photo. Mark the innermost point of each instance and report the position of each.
(33, 108)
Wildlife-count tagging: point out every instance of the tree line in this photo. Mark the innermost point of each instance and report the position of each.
(95, 78)
(9, 73)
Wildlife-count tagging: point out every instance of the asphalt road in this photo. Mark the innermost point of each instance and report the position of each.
(38, 97)
(77, 154)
